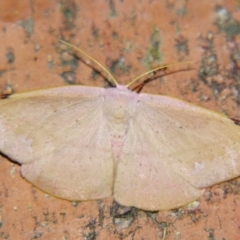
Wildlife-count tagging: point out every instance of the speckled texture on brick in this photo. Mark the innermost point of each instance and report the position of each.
(129, 37)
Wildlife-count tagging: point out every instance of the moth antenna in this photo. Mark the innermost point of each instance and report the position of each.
(91, 58)
(153, 70)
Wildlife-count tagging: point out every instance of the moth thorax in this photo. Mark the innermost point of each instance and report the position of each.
(119, 121)
(119, 115)
(119, 109)
(118, 127)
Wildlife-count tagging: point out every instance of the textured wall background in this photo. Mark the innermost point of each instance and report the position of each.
(128, 37)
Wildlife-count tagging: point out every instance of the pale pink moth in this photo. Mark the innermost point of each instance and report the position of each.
(148, 151)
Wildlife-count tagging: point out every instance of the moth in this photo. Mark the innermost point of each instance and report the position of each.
(148, 151)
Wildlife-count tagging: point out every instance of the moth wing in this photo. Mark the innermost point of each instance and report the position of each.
(59, 136)
(173, 151)
(201, 145)
(144, 179)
